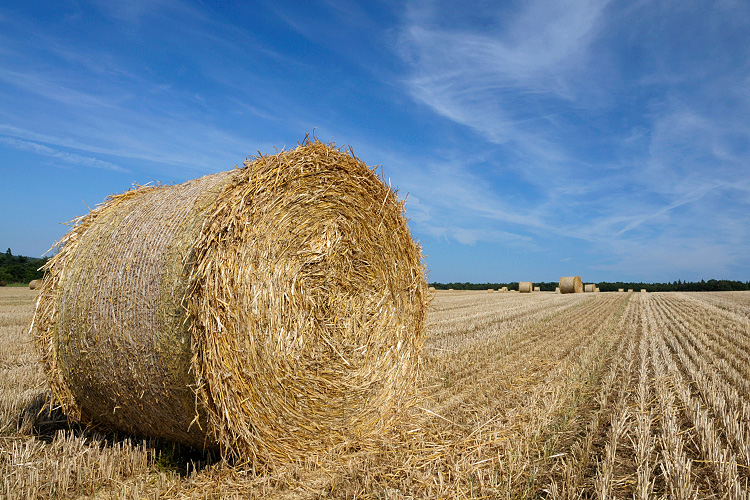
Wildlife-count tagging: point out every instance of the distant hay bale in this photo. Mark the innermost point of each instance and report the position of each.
(571, 284)
(590, 287)
(596, 289)
(490, 289)
(557, 289)
(3, 283)
(34, 284)
(431, 289)
(525, 287)
(537, 289)
(643, 290)
(620, 290)
(450, 289)
(630, 290)
(504, 289)
(274, 311)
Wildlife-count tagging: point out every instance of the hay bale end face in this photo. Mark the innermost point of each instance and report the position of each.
(589, 288)
(571, 284)
(525, 287)
(275, 310)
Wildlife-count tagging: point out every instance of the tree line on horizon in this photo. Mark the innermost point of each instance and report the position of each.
(19, 268)
(711, 285)
(22, 269)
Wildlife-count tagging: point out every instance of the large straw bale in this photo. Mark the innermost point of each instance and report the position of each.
(589, 287)
(274, 311)
(571, 284)
(525, 287)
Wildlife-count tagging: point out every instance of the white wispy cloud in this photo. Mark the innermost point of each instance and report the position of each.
(503, 82)
(64, 156)
(94, 101)
(548, 88)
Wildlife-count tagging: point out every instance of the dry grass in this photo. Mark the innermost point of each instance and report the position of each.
(523, 396)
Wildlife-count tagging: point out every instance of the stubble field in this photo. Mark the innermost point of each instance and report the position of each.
(606, 395)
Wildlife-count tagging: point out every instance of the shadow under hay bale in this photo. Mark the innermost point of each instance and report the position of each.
(275, 310)
(43, 417)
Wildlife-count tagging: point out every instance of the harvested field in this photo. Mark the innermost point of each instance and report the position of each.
(523, 396)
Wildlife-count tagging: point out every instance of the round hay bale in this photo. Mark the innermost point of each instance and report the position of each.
(571, 284)
(630, 290)
(589, 287)
(34, 284)
(643, 290)
(557, 289)
(525, 287)
(3, 283)
(620, 290)
(504, 289)
(274, 311)
(537, 289)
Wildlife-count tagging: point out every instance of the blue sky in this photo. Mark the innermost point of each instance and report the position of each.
(607, 139)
